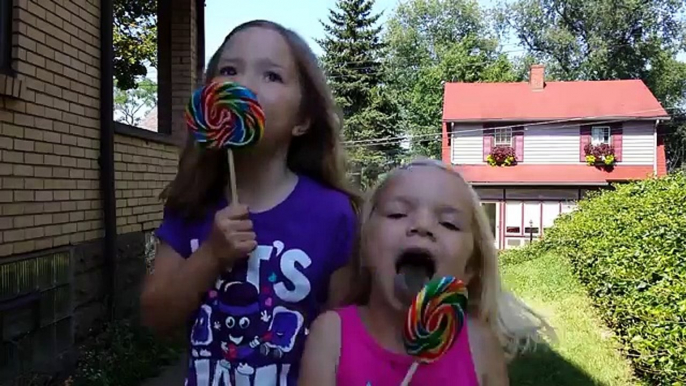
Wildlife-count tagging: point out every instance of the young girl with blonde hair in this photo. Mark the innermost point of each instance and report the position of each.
(249, 282)
(423, 217)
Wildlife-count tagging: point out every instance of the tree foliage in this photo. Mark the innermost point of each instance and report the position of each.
(353, 63)
(603, 40)
(431, 42)
(132, 104)
(134, 39)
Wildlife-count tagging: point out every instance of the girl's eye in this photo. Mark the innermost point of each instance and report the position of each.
(227, 71)
(395, 215)
(450, 226)
(273, 77)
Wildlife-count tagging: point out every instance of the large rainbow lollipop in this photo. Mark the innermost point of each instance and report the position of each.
(434, 320)
(225, 116)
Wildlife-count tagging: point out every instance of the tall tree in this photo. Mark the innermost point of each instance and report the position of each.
(131, 105)
(352, 60)
(431, 42)
(600, 40)
(134, 40)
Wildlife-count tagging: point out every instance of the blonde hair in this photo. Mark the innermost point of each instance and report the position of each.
(517, 326)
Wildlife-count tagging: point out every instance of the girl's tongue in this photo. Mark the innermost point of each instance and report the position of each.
(414, 269)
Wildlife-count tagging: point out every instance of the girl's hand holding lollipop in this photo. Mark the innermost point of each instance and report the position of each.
(227, 116)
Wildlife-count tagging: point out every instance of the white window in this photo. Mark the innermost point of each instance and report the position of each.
(600, 134)
(532, 218)
(568, 207)
(513, 218)
(503, 136)
(550, 212)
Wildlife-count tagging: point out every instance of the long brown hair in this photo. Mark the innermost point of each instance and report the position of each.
(203, 174)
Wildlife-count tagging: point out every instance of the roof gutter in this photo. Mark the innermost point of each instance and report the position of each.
(106, 160)
(551, 184)
(554, 120)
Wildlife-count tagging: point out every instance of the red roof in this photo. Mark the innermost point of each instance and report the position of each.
(551, 174)
(557, 100)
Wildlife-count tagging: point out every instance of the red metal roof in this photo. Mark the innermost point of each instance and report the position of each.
(557, 100)
(551, 174)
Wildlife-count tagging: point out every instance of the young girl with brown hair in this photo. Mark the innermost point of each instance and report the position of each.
(249, 278)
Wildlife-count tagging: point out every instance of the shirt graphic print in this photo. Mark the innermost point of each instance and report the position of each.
(250, 322)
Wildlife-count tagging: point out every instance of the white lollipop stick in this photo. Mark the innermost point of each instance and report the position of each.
(410, 373)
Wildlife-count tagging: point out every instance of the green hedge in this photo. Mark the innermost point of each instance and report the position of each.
(125, 354)
(628, 246)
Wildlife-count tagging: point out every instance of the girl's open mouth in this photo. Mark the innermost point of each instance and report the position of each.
(414, 268)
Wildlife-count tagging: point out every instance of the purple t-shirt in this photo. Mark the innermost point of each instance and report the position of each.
(251, 326)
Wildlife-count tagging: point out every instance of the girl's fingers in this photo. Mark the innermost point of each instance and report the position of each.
(238, 237)
(246, 245)
(239, 226)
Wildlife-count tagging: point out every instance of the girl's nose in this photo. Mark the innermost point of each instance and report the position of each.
(420, 231)
(421, 226)
(248, 82)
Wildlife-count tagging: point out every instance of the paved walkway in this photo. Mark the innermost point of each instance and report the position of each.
(170, 376)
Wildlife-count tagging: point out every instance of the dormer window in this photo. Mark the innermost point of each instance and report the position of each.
(600, 135)
(503, 136)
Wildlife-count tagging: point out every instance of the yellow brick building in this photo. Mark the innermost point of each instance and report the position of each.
(78, 192)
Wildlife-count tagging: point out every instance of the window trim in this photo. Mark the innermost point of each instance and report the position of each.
(605, 128)
(6, 31)
(519, 227)
(503, 131)
(527, 227)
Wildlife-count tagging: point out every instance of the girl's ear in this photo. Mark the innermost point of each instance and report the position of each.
(301, 129)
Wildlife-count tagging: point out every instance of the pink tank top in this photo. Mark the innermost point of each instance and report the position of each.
(363, 362)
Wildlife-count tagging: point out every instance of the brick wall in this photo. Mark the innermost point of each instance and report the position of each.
(183, 62)
(50, 201)
(142, 169)
(49, 136)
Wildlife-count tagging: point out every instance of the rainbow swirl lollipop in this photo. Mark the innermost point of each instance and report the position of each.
(435, 319)
(225, 116)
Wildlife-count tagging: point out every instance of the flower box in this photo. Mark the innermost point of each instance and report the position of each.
(502, 156)
(600, 155)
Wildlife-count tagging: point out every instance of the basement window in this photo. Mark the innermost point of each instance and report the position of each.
(36, 311)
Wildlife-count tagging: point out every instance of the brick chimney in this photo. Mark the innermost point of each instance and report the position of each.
(537, 77)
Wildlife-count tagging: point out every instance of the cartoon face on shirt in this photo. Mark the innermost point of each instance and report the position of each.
(239, 313)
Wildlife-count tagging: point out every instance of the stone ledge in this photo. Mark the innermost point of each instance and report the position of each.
(146, 135)
(11, 86)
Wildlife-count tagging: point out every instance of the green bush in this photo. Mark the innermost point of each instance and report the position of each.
(628, 246)
(125, 354)
(516, 256)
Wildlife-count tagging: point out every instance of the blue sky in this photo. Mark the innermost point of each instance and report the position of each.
(301, 16)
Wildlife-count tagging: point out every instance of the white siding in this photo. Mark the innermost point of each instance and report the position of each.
(467, 144)
(551, 144)
(638, 143)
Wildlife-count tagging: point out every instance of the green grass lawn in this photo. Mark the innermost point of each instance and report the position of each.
(586, 352)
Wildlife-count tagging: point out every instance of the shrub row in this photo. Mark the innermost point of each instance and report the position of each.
(628, 247)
